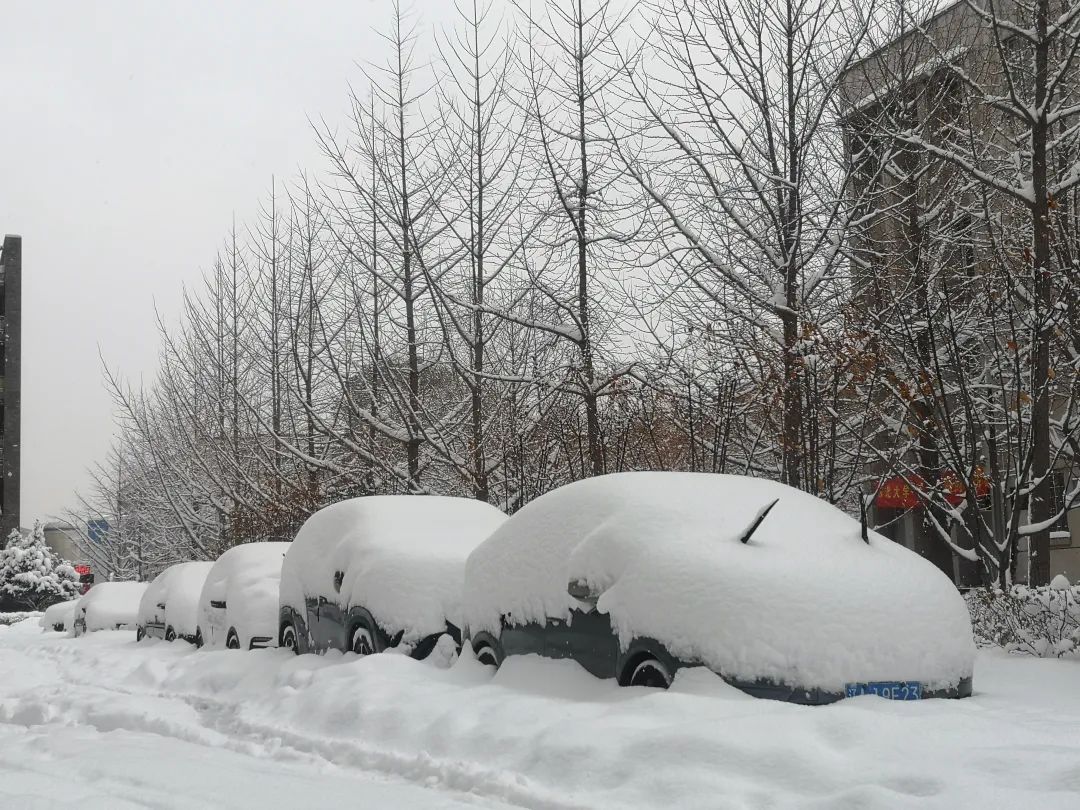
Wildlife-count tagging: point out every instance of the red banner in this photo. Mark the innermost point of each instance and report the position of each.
(899, 492)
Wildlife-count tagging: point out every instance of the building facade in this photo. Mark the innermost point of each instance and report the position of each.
(920, 209)
(10, 384)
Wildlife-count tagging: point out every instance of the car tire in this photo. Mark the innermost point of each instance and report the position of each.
(288, 639)
(651, 673)
(232, 641)
(488, 656)
(170, 634)
(140, 634)
(199, 641)
(362, 641)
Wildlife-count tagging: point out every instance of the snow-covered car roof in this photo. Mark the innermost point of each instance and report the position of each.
(178, 587)
(109, 604)
(61, 613)
(403, 557)
(246, 578)
(805, 602)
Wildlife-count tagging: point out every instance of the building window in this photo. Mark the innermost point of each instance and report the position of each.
(1059, 532)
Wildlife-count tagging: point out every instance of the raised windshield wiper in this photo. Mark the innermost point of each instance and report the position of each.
(757, 522)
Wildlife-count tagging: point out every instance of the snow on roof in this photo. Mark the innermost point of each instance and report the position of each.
(178, 587)
(108, 604)
(805, 602)
(246, 579)
(402, 557)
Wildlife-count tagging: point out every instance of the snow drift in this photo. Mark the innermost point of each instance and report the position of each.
(115, 719)
(806, 602)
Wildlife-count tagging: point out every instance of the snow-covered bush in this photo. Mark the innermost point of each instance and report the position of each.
(14, 618)
(32, 576)
(1038, 621)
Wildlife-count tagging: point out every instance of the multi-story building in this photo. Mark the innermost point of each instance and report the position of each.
(918, 208)
(10, 383)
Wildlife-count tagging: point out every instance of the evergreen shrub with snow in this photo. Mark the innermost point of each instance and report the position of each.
(32, 576)
(1042, 621)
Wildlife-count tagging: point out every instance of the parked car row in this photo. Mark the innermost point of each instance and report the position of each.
(635, 576)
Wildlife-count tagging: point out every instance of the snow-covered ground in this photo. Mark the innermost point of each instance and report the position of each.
(103, 722)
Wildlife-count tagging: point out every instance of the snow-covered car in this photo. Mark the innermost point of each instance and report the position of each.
(637, 575)
(381, 571)
(108, 606)
(170, 607)
(59, 617)
(238, 607)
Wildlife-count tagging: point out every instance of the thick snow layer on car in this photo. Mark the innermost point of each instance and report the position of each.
(109, 605)
(805, 602)
(246, 579)
(59, 616)
(178, 588)
(164, 726)
(402, 558)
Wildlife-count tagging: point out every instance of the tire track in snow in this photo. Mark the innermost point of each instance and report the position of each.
(221, 725)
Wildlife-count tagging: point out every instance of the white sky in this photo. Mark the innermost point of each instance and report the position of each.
(131, 133)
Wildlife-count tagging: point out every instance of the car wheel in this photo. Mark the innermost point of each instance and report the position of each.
(170, 635)
(233, 640)
(199, 638)
(652, 673)
(487, 656)
(362, 643)
(288, 639)
(140, 634)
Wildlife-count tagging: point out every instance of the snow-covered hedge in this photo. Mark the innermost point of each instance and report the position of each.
(15, 618)
(1041, 621)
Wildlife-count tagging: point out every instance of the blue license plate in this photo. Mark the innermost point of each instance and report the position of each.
(893, 690)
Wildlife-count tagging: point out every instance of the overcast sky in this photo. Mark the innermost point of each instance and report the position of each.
(131, 133)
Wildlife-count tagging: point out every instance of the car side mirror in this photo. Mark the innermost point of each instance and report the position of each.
(583, 592)
(339, 578)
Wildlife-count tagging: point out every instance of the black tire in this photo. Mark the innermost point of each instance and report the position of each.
(140, 634)
(362, 641)
(488, 656)
(651, 673)
(199, 641)
(170, 634)
(232, 641)
(288, 639)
